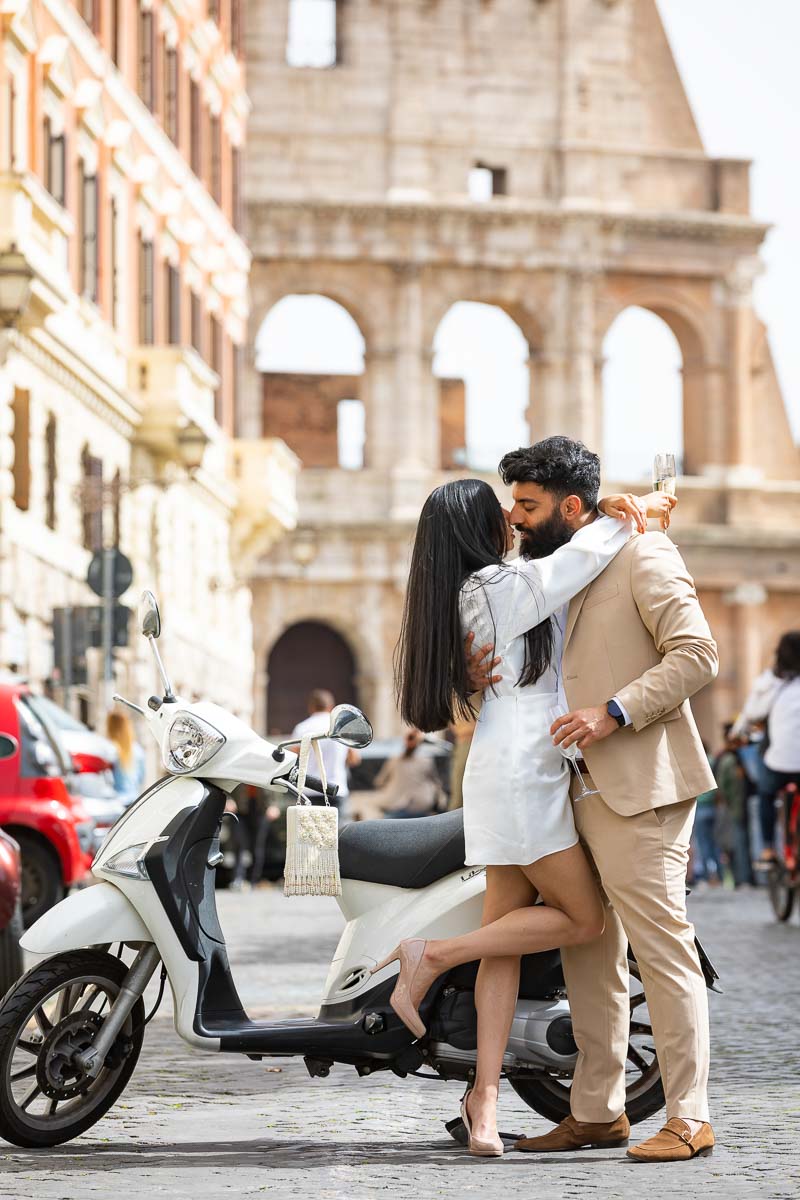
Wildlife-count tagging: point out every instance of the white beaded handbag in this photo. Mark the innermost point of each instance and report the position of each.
(312, 837)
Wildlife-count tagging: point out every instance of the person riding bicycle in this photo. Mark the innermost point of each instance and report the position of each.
(775, 700)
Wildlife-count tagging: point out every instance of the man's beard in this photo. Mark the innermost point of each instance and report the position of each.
(545, 538)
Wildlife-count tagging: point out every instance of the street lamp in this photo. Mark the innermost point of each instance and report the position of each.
(15, 285)
(192, 442)
(303, 550)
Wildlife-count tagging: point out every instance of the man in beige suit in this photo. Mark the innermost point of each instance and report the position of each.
(635, 647)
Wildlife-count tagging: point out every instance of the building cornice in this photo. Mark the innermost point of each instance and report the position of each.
(693, 225)
(55, 358)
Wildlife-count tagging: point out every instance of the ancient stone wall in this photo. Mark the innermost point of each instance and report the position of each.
(302, 410)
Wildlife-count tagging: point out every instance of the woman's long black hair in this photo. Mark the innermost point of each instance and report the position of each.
(461, 529)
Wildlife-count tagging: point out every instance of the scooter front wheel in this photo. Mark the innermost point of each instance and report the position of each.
(54, 1013)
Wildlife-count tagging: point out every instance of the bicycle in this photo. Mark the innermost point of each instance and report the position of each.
(783, 879)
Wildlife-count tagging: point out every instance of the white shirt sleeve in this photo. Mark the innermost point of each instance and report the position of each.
(525, 592)
(757, 706)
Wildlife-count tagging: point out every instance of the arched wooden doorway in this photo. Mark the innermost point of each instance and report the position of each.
(308, 655)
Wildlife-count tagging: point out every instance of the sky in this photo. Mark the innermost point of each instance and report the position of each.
(740, 69)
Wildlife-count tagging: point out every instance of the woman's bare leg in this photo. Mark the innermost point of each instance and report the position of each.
(507, 889)
(571, 913)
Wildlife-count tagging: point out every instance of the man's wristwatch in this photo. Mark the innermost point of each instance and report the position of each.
(614, 710)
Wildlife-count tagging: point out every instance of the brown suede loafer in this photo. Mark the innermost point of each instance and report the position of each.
(675, 1143)
(577, 1135)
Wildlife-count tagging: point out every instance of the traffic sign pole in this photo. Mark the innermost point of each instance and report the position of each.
(108, 625)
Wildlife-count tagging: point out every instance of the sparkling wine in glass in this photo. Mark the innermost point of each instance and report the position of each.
(664, 474)
(570, 753)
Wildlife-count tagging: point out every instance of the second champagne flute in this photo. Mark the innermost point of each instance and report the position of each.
(570, 753)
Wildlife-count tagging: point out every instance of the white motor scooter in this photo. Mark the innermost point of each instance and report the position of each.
(72, 1028)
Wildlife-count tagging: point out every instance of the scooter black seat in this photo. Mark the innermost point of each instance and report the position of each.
(409, 853)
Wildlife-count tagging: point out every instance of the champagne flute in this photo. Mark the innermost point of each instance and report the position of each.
(570, 753)
(664, 474)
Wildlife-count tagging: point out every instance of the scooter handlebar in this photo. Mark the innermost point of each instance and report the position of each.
(314, 784)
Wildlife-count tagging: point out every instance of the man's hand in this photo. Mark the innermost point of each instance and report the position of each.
(479, 668)
(583, 727)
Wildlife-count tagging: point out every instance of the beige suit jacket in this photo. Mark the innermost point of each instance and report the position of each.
(638, 632)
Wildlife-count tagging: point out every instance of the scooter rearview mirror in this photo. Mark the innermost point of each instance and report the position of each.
(150, 624)
(149, 616)
(350, 727)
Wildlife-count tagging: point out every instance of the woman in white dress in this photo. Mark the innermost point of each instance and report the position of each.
(517, 813)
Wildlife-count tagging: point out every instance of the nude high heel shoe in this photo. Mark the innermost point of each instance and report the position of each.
(476, 1146)
(409, 955)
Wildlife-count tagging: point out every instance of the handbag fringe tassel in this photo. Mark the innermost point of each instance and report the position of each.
(312, 839)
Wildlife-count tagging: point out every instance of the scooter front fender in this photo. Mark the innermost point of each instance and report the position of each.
(97, 915)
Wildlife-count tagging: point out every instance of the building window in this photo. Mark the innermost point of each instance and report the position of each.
(89, 260)
(236, 27)
(50, 468)
(90, 11)
(114, 264)
(312, 40)
(216, 347)
(197, 323)
(147, 79)
(195, 119)
(485, 182)
(171, 91)
(116, 32)
(216, 159)
(116, 496)
(146, 293)
(21, 408)
(92, 500)
(55, 163)
(238, 371)
(173, 294)
(11, 132)
(236, 188)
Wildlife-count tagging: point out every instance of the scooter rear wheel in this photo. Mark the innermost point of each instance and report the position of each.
(55, 1011)
(644, 1092)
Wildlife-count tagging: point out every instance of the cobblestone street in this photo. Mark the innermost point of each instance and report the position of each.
(191, 1125)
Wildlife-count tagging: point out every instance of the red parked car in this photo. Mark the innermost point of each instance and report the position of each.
(53, 830)
(10, 909)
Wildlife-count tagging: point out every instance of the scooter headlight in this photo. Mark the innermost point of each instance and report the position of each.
(191, 742)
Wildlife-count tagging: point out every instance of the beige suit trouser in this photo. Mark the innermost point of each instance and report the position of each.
(641, 862)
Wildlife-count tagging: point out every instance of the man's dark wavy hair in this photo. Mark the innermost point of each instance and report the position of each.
(560, 465)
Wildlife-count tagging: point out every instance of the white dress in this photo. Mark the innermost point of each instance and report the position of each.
(516, 783)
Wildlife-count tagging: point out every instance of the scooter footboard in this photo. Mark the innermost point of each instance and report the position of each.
(96, 916)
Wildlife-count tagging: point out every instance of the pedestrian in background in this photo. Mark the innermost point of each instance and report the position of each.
(732, 808)
(129, 769)
(775, 700)
(410, 783)
(336, 757)
(250, 833)
(706, 856)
